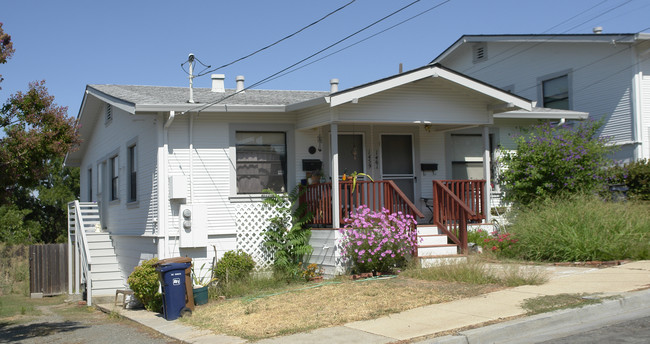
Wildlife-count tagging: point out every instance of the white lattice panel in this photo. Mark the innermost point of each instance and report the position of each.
(252, 221)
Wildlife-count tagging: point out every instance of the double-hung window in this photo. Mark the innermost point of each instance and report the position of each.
(555, 92)
(114, 165)
(133, 171)
(261, 161)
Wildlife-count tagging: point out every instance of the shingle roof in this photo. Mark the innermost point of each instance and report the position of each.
(160, 95)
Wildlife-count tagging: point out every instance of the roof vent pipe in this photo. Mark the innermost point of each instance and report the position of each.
(598, 30)
(240, 84)
(217, 83)
(334, 85)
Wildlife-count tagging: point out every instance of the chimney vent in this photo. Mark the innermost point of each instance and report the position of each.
(334, 85)
(240, 84)
(217, 83)
(598, 30)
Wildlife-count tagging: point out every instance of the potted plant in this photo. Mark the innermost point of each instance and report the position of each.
(316, 176)
(201, 281)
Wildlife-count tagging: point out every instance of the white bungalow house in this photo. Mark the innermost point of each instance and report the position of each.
(163, 177)
(606, 75)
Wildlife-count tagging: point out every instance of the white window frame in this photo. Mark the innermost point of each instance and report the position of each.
(287, 129)
(540, 86)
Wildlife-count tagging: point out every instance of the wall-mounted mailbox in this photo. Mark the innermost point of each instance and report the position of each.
(429, 167)
(311, 164)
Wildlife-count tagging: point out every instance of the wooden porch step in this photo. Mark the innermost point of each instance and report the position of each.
(432, 239)
(435, 250)
(435, 260)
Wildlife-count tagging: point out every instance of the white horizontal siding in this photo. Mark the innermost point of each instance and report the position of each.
(431, 100)
(132, 250)
(326, 253)
(601, 78)
(305, 139)
(313, 117)
(125, 129)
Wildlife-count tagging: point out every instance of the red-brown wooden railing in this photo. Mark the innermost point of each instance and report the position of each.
(455, 203)
(374, 194)
(470, 192)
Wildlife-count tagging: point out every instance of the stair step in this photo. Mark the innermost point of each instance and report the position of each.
(101, 252)
(108, 284)
(107, 276)
(436, 239)
(435, 260)
(107, 267)
(96, 245)
(103, 259)
(434, 250)
(428, 230)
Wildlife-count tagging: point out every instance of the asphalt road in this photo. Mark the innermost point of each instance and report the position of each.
(65, 323)
(636, 331)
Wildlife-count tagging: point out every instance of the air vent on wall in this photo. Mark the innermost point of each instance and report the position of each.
(479, 52)
(109, 113)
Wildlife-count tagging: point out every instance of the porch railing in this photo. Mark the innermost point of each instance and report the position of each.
(455, 203)
(374, 194)
(470, 192)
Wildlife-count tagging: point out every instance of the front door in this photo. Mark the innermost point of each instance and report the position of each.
(351, 154)
(397, 162)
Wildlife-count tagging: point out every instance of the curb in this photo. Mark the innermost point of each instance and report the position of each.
(557, 324)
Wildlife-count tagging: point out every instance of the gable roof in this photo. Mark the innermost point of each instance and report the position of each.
(430, 71)
(133, 98)
(544, 38)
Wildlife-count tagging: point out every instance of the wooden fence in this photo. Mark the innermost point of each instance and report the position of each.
(48, 269)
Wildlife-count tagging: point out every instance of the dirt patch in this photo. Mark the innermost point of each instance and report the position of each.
(326, 304)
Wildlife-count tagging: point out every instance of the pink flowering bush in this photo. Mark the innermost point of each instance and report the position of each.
(378, 241)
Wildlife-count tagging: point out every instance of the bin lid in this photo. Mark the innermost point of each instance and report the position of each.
(174, 260)
(172, 266)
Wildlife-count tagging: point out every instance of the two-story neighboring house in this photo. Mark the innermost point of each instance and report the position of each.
(606, 75)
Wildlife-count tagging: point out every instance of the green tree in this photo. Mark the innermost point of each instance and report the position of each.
(552, 160)
(34, 185)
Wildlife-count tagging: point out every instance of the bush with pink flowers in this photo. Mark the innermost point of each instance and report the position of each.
(378, 241)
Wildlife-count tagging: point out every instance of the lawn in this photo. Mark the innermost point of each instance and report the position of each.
(304, 306)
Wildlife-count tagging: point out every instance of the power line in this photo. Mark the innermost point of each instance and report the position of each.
(203, 107)
(361, 41)
(575, 16)
(542, 42)
(278, 41)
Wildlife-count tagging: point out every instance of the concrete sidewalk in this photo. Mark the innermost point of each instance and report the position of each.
(425, 322)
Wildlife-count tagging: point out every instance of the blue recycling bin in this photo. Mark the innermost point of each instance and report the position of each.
(172, 278)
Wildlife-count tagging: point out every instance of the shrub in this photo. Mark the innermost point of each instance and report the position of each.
(636, 176)
(288, 234)
(582, 228)
(378, 241)
(144, 282)
(479, 237)
(234, 266)
(555, 160)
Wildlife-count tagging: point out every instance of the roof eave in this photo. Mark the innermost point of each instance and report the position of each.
(188, 108)
(556, 114)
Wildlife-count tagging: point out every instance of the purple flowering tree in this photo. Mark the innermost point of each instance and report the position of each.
(552, 160)
(378, 241)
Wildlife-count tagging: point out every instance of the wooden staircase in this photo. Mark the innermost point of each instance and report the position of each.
(95, 261)
(434, 247)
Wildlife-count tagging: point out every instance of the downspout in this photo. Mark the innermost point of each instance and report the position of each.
(191, 198)
(487, 174)
(164, 184)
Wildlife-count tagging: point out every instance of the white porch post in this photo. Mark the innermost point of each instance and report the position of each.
(486, 173)
(334, 139)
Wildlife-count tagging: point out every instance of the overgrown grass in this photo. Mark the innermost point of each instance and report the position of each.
(14, 269)
(582, 228)
(258, 283)
(475, 271)
(549, 303)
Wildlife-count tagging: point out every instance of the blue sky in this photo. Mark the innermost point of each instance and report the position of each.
(74, 43)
